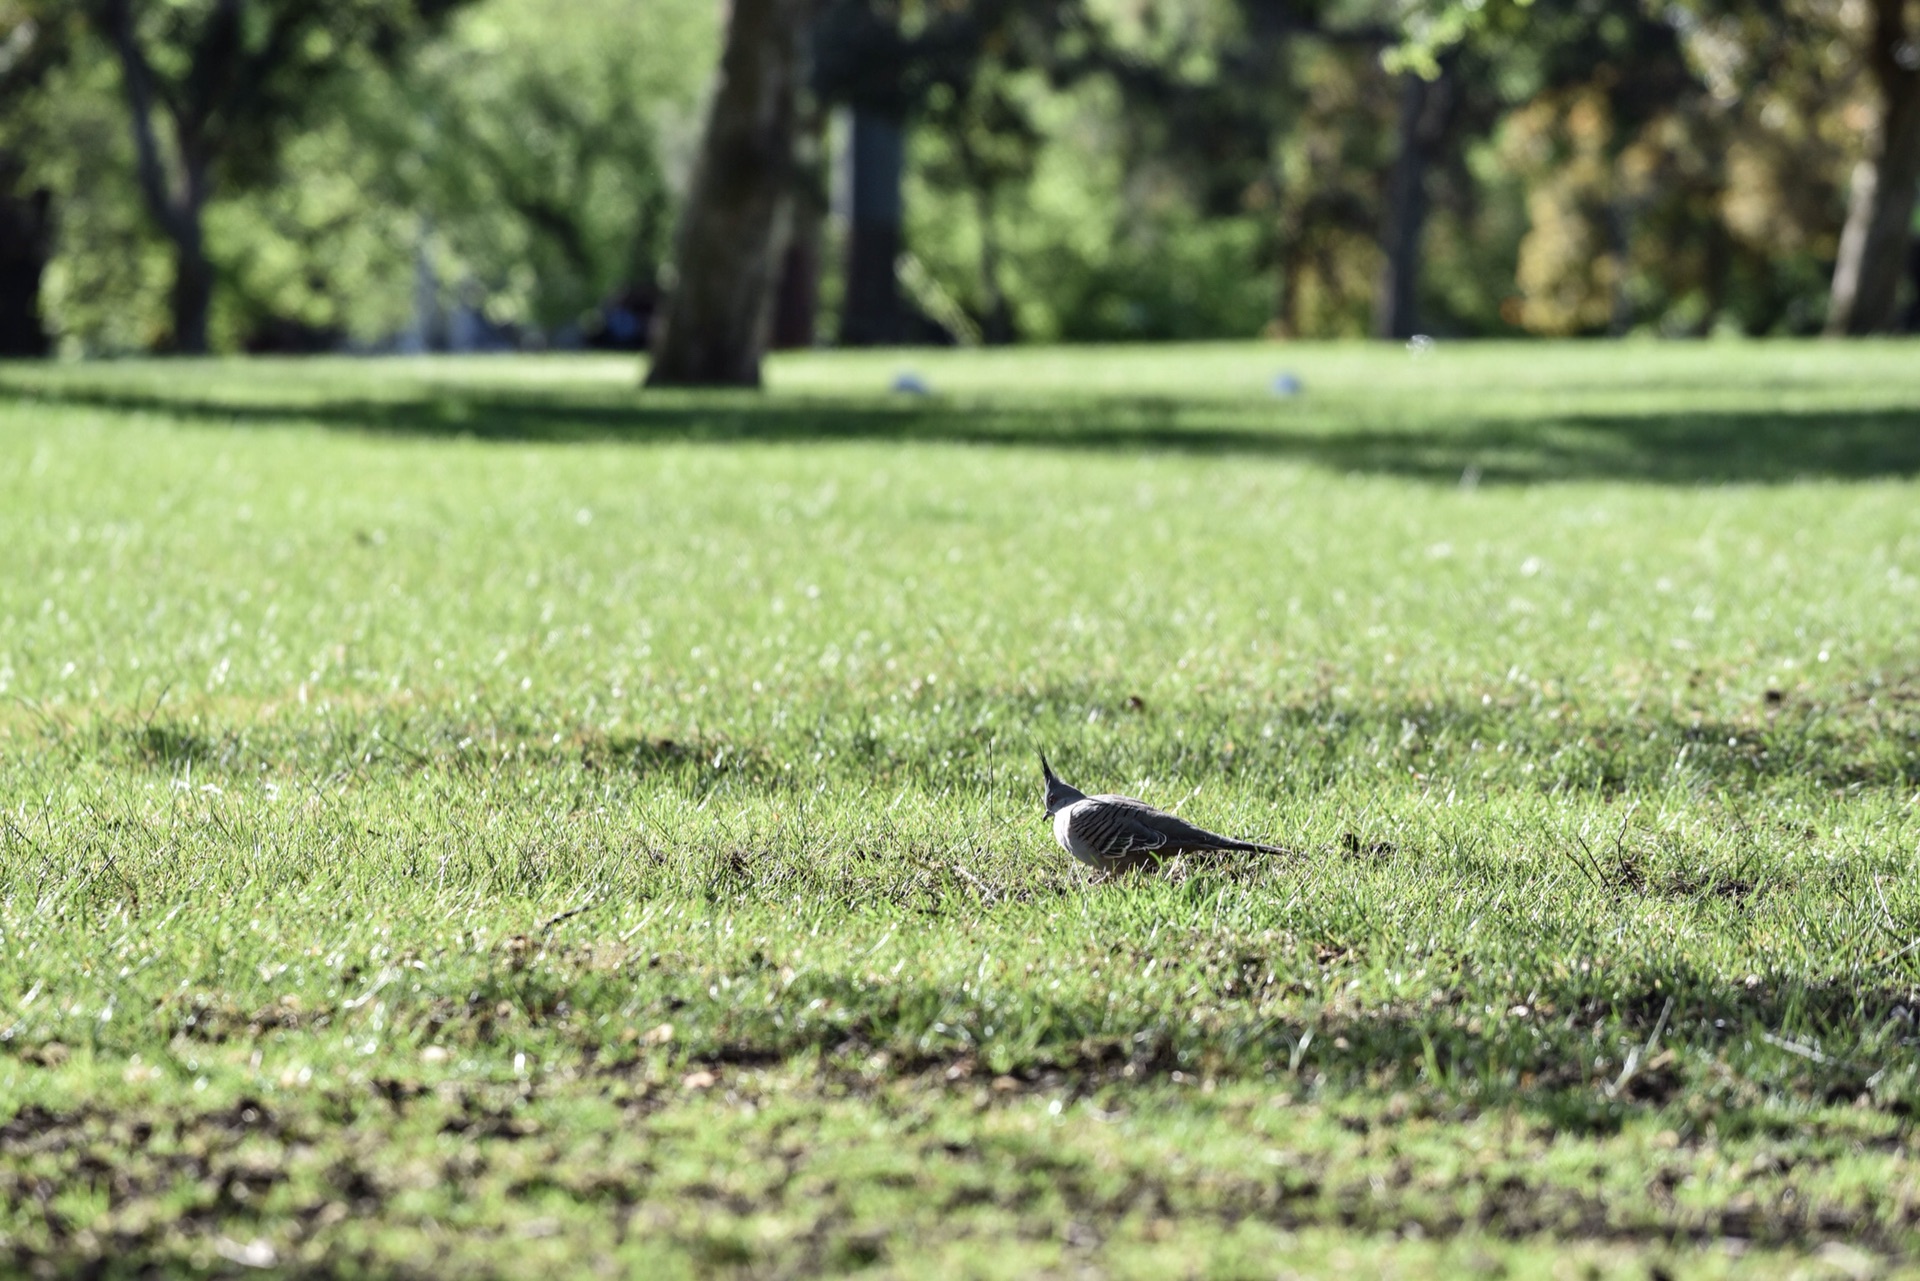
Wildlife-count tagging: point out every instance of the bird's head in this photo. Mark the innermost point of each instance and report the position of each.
(1059, 795)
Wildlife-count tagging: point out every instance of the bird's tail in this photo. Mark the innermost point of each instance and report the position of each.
(1249, 847)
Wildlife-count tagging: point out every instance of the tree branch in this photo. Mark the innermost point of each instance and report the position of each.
(214, 55)
(257, 68)
(137, 77)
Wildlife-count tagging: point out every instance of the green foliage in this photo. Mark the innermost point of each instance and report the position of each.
(1606, 169)
(529, 165)
(1085, 250)
(1432, 29)
(544, 154)
(106, 286)
(531, 162)
(326, 252)
(1078, 170)
(237, 80)
(457, 793)
(319, 249)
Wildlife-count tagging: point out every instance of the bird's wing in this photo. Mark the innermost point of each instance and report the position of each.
(1174, 833)
(1116, 827)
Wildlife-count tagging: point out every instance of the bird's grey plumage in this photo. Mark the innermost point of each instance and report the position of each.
(1121, 834)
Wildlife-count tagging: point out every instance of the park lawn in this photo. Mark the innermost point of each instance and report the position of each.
(469, 816)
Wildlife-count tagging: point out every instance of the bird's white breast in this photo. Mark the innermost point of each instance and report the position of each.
(1063, 833)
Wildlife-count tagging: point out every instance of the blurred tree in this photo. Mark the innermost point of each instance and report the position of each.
(872, 314)
(541, 153)
(987, 144)
(1332, 140)
(733, 228)
(1352, 156)
(320, 256)
(214, 87)
(1426, 112)
(1762, 154)
(890, 61)
(1873, 248)
(797, 300)
(33, 41)
(26, 239)
(1065, 169)
(391, 182)
(106, 282)
(1094, 175)
(864, 61)
(1428, 30)
(1279, 113)
(1587, 88)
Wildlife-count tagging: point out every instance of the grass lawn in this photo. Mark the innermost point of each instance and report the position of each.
(472, 818)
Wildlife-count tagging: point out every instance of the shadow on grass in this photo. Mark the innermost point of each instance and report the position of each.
(1582, 1049)
(1312, 744)
(1537, 1038)
(1372, 1073)
(1657, 446)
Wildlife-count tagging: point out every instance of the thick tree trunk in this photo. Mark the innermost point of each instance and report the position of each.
(26, 226)
(733, 231)
(175, 201)
(873, 316)
(1873, 247)
(192, 296)
(1425, 106)
(796, 303)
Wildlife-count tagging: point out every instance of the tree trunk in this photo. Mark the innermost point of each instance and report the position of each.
(1719, 266)
(1289, 264)
(873, 316)
(798, 299)
(796, 304)
(1912, 322)
(174, 202)
(733, 231)
(192, 296)
(1873, 247)
(1620, 220)
(26, 226)
(1425, 106)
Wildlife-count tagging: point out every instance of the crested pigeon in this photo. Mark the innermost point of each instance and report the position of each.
(1120, 834)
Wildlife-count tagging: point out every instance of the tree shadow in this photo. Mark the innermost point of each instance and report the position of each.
(1660, 446)
(1711, 1070)
(1310, 743)
(1561, 1058)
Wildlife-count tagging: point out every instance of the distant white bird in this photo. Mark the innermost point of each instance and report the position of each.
(1120, 834)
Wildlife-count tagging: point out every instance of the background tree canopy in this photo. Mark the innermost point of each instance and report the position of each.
(423, 173)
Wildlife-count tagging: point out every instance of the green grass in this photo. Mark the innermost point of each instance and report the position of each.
(469, 816)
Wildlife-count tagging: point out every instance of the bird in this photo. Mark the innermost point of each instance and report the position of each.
(1120, 834)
